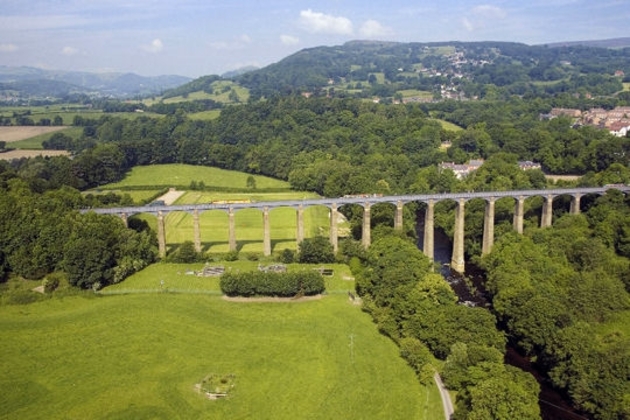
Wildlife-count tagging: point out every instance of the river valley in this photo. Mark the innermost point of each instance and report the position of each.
(553, 405)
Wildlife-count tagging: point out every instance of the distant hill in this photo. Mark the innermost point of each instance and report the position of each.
(29, 81)
(444, 69)
(604, 43)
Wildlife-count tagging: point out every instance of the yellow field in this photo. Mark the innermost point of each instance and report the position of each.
(17, 133)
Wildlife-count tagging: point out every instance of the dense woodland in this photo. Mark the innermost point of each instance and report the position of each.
(560, 295)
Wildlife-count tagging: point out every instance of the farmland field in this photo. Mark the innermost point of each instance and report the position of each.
(18, 154)
(182, 175)
(14, 133)
(140, 355)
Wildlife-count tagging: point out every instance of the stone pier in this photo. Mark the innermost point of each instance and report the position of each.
(488, 227)
(429, 230)
(457, 259)
(197, 230)
(575, 204)
(231, 230)
(367, 226)
(398, 219)
(519, 210)
(547, 212)
(334, 229)
(266, 233)
(161, 234)
(300, 225)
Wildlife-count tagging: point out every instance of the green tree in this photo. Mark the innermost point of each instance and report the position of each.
(315, 251)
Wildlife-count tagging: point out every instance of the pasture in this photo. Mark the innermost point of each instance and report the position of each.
(248, 226)
(140, 355)
(214, 224)
(177, 280)
(171, 175)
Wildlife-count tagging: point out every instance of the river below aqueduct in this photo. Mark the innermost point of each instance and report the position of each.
(553, 405)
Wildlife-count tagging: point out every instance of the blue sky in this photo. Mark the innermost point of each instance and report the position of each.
(199, 37)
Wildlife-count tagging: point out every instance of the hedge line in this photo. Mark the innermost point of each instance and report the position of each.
(258, 283)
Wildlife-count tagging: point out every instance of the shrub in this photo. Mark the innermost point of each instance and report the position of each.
(257, 283)
(316, 250)
(287, 256)
(231, 256)
(185, 253)
(51, 282)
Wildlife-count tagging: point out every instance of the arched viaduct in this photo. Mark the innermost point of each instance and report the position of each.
(367, 201)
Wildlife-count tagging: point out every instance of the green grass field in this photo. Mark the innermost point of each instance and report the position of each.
(449, 126)
(35, 143)
(176, 278)
(139, 356)
(214, 224)
(179, 174)
(248, 226)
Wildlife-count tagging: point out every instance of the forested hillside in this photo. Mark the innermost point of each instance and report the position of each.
(465, 70)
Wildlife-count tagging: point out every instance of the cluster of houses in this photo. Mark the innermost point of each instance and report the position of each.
(463, 170)
(616, 121)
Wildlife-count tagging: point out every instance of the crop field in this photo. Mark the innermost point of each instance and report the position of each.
(13, 134)
(140, 356)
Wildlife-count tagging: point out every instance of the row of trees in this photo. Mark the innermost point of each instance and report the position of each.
(41, 233)
(338, 147)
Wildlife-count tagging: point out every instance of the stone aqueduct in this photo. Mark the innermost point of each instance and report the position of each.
(457, 259)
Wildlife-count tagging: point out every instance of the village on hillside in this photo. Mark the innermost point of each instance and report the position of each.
(616, 121)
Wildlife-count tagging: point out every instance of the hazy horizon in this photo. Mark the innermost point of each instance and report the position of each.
(195, 37)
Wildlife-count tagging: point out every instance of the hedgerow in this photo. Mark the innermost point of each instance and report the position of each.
(258, 283)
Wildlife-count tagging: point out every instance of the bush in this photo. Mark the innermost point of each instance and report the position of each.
(257, 283)
(287, 256)
(231, 256)
(51, 282)
(185, 254)
(317, 250)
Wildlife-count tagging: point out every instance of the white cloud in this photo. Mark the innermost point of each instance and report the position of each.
(289, 40)
(468, 24)
(373, 29)
(8, 48)
(155, 47)
(69, 51)
(321, 23)
(488, 11)
(483, 16)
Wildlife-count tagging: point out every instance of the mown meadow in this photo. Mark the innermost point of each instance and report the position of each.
(139, 354)
(223, 186)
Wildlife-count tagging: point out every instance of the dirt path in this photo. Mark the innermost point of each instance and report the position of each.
(447, 404)
(171, 196)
